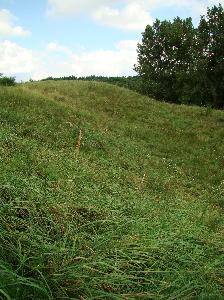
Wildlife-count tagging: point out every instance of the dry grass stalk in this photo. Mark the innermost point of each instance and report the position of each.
(143, 179)
(78, 144)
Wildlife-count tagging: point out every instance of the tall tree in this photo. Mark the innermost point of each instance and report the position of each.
(164, 55)
(183, 64)
(211, 53)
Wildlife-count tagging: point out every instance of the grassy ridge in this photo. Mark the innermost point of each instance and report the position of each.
(136, 214)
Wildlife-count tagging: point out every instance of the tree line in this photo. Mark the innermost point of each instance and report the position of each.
(183, 64)
(130, 82)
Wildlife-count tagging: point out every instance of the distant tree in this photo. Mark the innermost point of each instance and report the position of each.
(7, 81)
(131, 82)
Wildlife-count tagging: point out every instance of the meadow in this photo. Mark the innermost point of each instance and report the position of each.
(108, 194)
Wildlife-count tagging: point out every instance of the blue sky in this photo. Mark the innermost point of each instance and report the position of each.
(64, 37)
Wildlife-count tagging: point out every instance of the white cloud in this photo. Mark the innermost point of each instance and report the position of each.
(197, 7)
(55, 47)
(125, 14)
(100, 62)
(24, 63)
(7, 27)
(107, 62)
(72, 7)
(15, 59)
(132, 17)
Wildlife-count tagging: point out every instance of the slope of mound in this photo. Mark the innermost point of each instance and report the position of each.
(106, 194)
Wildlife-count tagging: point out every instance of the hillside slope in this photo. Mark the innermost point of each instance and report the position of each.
(106, 194)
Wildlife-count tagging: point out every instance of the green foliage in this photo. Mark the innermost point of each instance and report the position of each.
(164, 55)
(136, 214)
(131, 82)
(211, 53)
(181, 64)
(7, 81)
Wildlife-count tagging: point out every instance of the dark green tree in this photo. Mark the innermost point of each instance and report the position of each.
(7, 81)
(211, 54)
(183, 64)
(164, 55)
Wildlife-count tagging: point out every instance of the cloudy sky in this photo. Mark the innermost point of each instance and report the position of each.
(80, 37)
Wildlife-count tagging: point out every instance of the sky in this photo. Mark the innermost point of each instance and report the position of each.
(42, 38)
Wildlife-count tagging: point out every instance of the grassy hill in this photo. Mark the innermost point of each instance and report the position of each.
(106, 194)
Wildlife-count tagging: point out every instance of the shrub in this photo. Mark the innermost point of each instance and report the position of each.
(7, 81)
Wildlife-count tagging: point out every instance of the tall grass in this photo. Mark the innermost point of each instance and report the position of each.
(138, 214)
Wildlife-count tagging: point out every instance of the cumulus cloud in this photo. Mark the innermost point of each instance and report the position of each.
(125, 14)
(132, 17)
(107, 62)
(15, 59)
(197, 7)
(7, 26)
(55, 47)
(24, 63)
(72, 7)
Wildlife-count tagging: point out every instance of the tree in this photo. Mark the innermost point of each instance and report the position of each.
(7, 81)
(164, 55)
(183, 64)
(211, 54)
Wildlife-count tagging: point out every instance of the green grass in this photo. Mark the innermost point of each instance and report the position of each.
(137, 213)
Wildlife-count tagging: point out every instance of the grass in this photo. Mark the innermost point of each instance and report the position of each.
(106, 194)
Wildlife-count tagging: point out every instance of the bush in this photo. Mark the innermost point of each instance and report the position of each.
(7, 81)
